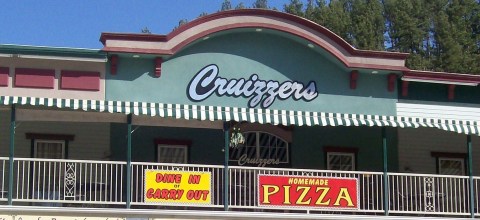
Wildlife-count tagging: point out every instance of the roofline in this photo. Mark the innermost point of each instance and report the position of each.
(46, 50)
(441, 77)
(251, 12)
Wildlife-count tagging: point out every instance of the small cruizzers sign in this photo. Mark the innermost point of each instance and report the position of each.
(308, 192)
(178, 187)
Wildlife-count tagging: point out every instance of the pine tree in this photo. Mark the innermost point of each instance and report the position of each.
(295, 7)
(368, 25)
(260, 4)
(311, 11)
(408, 29)
(226, 5)
(240, 6)
(337, 18)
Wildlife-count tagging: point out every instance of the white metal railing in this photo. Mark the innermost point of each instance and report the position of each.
(244, 193)
(476, 195)
(69, 182)
(429, 194)
(3, 178)
(138, 181)
(52, 181)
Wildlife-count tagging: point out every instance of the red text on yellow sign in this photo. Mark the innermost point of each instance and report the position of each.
(165, 186)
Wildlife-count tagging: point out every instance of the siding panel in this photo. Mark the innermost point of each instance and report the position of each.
(438, 110)
(416, 144)
(92, 140)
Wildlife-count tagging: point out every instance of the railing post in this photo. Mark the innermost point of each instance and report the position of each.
(470, 176)
(226, 128)
(11, 154)
(129, 160)
(385, 172)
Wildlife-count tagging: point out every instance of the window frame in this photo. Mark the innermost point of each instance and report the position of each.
(173, 144)
(35, 148)
(440, 159)
(450, 156)
(34, 137)
(258, 147)
(352, 155)
(343, 151)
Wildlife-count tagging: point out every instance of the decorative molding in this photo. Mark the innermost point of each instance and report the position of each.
(162, 141)
(404, 88)
(448, 154)
(113, 64)
(353, 79)
(451, 92)
(338, 149)
(392, 80)
(441, 77)
(253, 18)
(67, 137)
(158, 66)
(4, 73)
(252, 12)
(80, 80)
(34, 78)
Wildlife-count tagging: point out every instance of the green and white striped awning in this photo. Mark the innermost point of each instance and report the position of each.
(262, 116)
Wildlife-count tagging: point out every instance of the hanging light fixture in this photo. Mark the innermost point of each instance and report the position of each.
(237, 138)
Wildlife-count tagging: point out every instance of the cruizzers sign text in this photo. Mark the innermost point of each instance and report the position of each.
(261, 92)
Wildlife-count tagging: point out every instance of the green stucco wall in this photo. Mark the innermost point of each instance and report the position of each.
(308, 146)
(439, 93)
(206, 145)
(239, 55)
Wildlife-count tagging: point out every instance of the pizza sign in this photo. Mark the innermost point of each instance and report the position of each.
(308, 192)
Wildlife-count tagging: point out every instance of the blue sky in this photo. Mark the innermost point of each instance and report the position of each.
(79, 24)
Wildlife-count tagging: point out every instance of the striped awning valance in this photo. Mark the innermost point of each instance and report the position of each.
(262, 116)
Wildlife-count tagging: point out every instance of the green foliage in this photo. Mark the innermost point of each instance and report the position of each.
(226, 5)
(260, 4)
(295, 7)
(240, 6)
(440, 35)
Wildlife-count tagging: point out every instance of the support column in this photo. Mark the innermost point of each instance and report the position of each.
(11, 154)
(226, 184)
(129, 160)
(385, 172)
(470, 176)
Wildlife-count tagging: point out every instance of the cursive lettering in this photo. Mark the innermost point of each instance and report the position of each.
(261, 92)
(257, 161)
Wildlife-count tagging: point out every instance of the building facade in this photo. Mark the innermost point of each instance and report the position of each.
(238, 114)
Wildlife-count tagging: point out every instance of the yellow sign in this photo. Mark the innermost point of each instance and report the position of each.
(166, 186)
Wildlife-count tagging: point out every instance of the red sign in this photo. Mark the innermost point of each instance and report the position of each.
(309, 192)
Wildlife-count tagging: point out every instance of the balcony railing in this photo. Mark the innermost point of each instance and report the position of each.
(48, 182)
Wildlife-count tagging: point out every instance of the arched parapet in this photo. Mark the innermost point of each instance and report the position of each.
(245, 20)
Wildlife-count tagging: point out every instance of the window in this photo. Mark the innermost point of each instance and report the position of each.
(260, 149)
(341, 158)
(172, 153)
(450, 163)
(340, 161)
(50, 149)
(50, 146)
(451, 166)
